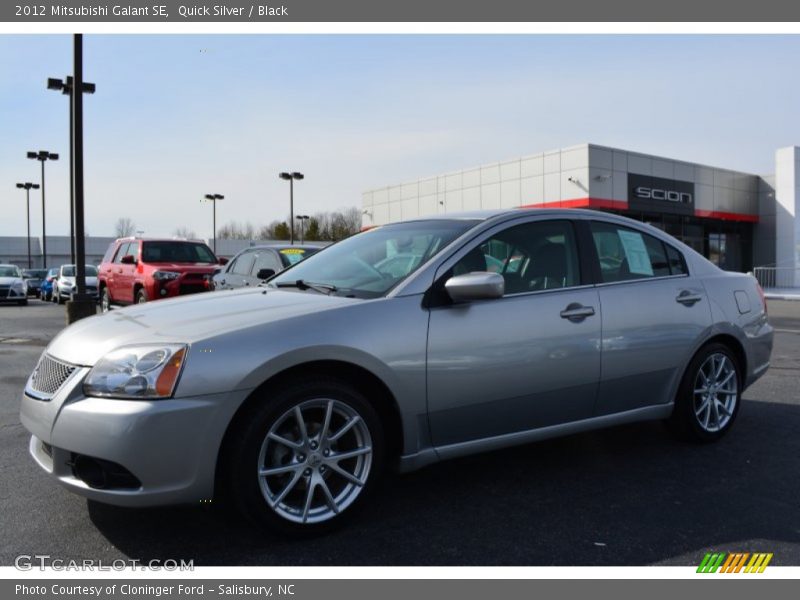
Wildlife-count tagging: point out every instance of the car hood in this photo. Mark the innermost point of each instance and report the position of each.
(9, 280)
(186, 319)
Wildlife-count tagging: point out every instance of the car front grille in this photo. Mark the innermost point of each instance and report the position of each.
(49, 375)
(5, 290)
(191, 288)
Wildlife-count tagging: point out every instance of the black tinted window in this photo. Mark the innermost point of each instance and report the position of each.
(186, 252)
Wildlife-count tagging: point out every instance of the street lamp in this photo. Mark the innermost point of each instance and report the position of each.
(290, 177)
(213, 198)
(65, 87)
(27, 187)
(302, 219)
(43, 156)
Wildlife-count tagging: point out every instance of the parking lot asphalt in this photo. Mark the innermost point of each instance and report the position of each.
(632, 495)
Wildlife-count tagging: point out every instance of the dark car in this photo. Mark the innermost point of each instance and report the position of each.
(46, 288)
(34, 278)
(253, 265)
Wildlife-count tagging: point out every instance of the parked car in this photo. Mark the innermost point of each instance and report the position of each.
(34, 279)
(135, 270)
(290, 399)
(46, 289)
(12, 285)
(253, 265)
(65, 287)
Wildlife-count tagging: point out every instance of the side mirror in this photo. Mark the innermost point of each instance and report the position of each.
(128, 259)
(475, 286)
(222, 261)
(265, 273)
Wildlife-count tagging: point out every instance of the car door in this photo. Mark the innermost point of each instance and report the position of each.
(124, 273)
(527, 360)
(654, 312)
(239, 270)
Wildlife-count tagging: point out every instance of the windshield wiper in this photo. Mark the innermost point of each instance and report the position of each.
(300, 284)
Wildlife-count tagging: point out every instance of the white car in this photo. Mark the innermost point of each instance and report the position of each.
(64, 286)
(12, 286)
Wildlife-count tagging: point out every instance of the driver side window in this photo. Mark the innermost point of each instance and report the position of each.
(531, 257)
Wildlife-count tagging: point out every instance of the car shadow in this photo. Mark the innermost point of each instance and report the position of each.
(631, 495)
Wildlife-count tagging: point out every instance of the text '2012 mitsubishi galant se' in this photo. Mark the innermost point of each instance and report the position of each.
(491, 329)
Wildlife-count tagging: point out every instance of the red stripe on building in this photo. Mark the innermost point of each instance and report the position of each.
(725, 216)
(622, 205)
(582, 203)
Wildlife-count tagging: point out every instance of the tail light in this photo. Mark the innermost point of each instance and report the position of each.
(762, 296)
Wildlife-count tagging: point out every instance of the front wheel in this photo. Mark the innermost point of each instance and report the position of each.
(141, 296)
(305, 459)
(709, 396)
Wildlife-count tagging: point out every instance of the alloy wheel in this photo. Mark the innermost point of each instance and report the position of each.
(315, 460)
(716, 390)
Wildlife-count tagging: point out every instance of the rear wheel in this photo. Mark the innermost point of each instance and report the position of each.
(306, 459)
(709, 396)
(141, 296)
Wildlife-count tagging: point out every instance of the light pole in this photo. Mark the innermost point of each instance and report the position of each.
(43, 156)
(302, 219)
(213, 198)
(65, 87)
(27, 187)
(290, 177)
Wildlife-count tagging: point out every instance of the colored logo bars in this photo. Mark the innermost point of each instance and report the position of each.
(734, 562)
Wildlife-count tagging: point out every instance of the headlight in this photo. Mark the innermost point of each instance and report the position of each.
(165, 275)
(148, 371)
(19, 285)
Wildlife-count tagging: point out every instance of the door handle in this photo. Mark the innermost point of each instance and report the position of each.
(577, 312)
(688, 298)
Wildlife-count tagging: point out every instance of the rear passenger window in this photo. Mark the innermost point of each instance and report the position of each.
(627, 254)
(676, 264)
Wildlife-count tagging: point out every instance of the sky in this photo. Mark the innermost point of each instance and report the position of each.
(176, 117)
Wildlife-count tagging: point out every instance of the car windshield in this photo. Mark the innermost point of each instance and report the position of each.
(9, 271)
(34, 273)
(368, 265)
(290, 256)
(69, 271)
(177, 252)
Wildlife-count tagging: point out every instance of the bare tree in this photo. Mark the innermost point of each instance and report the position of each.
(185, 232)
(124, 227)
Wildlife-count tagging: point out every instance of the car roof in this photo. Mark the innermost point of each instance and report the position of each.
(282, 247)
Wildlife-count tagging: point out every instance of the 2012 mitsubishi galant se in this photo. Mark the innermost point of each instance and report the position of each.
(290, 399)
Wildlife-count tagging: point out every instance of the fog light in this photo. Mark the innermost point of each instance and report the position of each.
(163, 292)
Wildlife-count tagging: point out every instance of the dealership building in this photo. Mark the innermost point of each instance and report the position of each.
(738, 220)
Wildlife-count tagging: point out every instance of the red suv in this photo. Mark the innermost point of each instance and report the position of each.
(136, 270)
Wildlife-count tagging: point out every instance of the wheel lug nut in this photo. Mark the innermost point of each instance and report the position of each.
(307, 472)
(301, 457)
(322, 469)
(326, 452)
(313, 445)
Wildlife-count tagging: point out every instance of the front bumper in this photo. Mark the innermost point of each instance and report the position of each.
(169, 446)
(187, 283)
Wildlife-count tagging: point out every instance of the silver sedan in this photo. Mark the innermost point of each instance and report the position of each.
(290, 399)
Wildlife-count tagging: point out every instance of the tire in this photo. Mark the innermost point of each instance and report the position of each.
(141, 296)
(105, 300)
(59, 299)
(23, 302)
(338, 488)
(690, 420)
